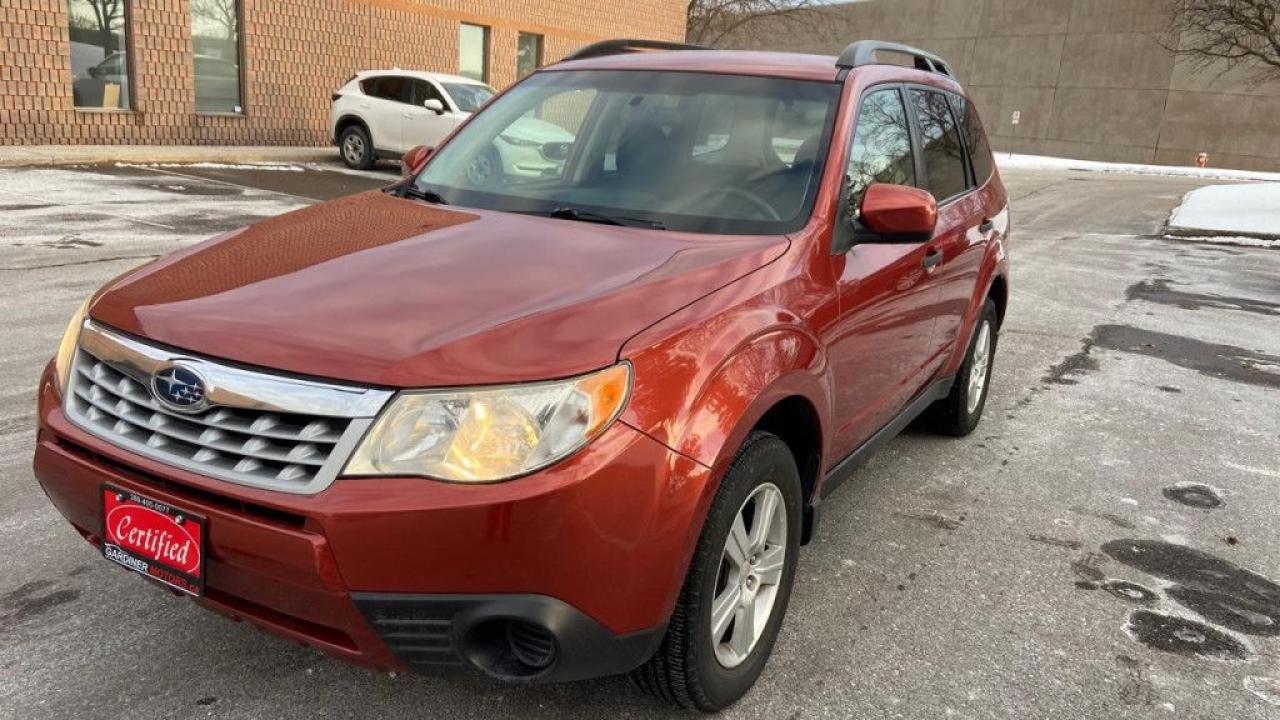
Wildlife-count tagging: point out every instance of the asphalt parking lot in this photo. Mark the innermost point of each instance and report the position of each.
(1103, 546)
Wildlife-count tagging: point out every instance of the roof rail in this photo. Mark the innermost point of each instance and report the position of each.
(863, 52)
(622, 46)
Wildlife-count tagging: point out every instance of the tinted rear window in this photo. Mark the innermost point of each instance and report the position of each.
(941, 149)
(388, 87)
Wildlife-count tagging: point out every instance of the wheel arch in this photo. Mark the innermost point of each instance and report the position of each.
(347, 121)
(795, 421)
(999, 294)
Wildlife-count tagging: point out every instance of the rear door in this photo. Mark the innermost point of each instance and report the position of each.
(421, 126)
(957, 246)
(880, 341)
(388, 97)
(959, 275)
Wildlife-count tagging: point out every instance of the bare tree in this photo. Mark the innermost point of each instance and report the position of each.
(105, 16)
(222, 13)
(712, 21)
(1226, 34)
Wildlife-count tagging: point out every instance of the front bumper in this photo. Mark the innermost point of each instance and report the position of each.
(405, 573)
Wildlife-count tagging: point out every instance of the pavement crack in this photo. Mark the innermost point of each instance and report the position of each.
(113, 258)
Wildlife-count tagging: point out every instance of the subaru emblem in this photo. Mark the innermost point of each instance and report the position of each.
(179, 388)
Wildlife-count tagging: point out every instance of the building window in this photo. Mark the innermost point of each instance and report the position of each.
(215, 38)
(473, 52)
(528, 54)
(99, 53)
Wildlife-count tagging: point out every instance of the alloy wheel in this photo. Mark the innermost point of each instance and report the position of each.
(751, 566)
(353, 148)
(978, 370)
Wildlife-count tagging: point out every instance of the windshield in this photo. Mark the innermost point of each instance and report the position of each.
(467, 96)
(696, 152)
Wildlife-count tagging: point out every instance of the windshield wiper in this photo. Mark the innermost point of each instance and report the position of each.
(566, 212)
(411, 190)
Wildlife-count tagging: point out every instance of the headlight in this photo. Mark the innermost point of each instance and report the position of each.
(488, 434)
(67, 349)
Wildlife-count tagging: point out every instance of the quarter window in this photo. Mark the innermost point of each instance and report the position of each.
(528, 54)
(473, 52)
(881, 150)
(215, 37)
(975, 139)
(941, 150)
(99, 53)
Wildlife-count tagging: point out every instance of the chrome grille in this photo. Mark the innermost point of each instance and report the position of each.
(256, 433)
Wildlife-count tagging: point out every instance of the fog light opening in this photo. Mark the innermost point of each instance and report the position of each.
(511, 649)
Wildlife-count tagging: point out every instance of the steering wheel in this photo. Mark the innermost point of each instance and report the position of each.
(745, 195)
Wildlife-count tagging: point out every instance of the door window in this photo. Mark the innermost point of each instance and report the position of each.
(424, 91)
(975, 139)
(395, 88)
(881, 151)
(941, 150)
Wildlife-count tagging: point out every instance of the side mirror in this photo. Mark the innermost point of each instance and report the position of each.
(411, 163)
(899, 214)
(434, 105)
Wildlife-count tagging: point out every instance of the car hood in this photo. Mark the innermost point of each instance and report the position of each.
(382, 290)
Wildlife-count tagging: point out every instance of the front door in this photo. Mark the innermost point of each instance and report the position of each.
(421, 126)
(879, 346)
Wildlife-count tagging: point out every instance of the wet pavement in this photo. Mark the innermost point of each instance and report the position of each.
(1103, 546)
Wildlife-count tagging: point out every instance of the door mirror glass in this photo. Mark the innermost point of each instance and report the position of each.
(898, 213)
(411, 163)
(434, 105)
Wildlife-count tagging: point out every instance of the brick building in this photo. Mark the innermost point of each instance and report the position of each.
(260, 72)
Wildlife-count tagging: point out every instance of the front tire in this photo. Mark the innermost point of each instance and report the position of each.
(356, 147)
(735, 595)
(958, 414)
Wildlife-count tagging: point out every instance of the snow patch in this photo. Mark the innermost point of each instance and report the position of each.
(1041, 162)
(1231, 211)
(1229, 240)
(282, 167)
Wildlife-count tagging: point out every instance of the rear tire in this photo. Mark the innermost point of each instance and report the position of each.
(356, 147)
(745, 578)
(959, 413)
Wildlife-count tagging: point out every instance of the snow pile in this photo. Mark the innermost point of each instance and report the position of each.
(1230, 213)
(1038, 162)
(283, 167)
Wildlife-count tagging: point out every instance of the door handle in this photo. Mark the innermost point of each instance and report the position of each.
(986, 226)
(932, 258)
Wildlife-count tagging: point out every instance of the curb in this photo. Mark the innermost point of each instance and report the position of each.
(16, 156)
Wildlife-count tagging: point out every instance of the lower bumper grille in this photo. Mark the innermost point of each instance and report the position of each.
(421, 636)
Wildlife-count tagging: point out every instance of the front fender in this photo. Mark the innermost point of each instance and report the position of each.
(702, 390)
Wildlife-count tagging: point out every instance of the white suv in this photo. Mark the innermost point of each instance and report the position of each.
(383, 113)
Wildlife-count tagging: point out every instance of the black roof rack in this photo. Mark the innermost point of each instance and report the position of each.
(863, 52)
(622, 46)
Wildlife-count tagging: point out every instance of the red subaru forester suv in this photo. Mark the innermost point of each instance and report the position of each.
(559, 411)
